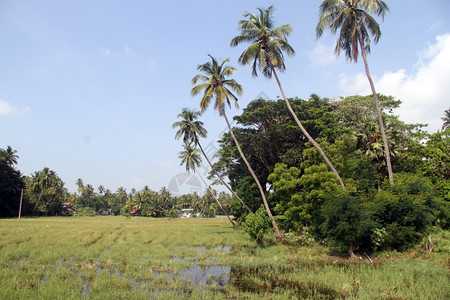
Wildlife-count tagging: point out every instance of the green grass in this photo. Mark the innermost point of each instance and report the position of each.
(145, 258)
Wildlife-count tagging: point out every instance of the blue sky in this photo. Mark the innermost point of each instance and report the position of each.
(90, 89)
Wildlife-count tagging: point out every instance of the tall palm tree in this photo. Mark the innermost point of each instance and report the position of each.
(353, 19)
(215, 85)
(267, 44)
(9, 156)
(191, 129)
(192, 160)
(446, 120)
(44, 180)
(80, 186)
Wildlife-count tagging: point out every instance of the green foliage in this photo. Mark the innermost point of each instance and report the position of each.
(256, 225)
(437, 241)
(394, 219)
(437, 154)
(346, 221)
(47, 192)
(299, 197)
(246, 189)
(11, 182)
(405, 211)
(85, 212)
(301, 238)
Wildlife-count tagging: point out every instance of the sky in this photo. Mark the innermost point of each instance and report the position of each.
(90, 89)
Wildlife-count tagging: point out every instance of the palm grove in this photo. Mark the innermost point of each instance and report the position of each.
(318, 167)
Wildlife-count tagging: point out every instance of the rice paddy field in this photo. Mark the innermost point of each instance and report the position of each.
(145, 258)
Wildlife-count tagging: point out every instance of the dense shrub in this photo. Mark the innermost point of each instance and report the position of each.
(346, 221)
(257, 224)
(404, 211)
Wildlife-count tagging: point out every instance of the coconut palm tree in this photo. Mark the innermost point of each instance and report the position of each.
(446, 120)
(9, 156)
(191, 159)
(45, 180)
(215, 85)
(267, 44)
(353, 19)
(191, 129)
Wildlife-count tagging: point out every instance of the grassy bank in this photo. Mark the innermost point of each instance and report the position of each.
(145, 258)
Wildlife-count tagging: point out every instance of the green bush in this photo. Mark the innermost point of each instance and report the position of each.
(256, 225)
(347, 224)
(405, 211)
(85, 211)
(300, 238)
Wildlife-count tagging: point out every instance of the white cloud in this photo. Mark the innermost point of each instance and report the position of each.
(8, 109)
(322, 55)
(5, 108)
(425, 93)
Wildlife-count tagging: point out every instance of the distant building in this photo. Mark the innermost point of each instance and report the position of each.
(187, 213)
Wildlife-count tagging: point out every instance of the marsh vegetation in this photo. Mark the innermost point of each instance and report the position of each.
(147, 258)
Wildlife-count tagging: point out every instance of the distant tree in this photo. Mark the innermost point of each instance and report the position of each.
(11, 183)
(354, 21)
(446, 120)
(214, 84)
(47, 186)
(9, 156)
(118, 200)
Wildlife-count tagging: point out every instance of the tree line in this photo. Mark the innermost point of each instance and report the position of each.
(43, 194)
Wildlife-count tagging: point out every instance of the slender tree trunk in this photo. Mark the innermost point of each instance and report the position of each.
(217, 200)
(379, 114)
(263, 195)
(350, 250)
(316, 145)
(221, 179)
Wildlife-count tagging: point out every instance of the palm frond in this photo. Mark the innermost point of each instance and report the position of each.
(241, 39)
(267, 43)
(354, 21)
(199, 77)
(198, 88)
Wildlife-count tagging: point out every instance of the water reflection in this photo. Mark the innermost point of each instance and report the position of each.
(205, 275)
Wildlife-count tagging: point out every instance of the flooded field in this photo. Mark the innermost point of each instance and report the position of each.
(143, 258)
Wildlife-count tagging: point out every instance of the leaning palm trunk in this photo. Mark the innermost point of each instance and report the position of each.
(220, 205)
(379, 114)
(39, 199)
(263, 195)
(221, 179)
(316, 145)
